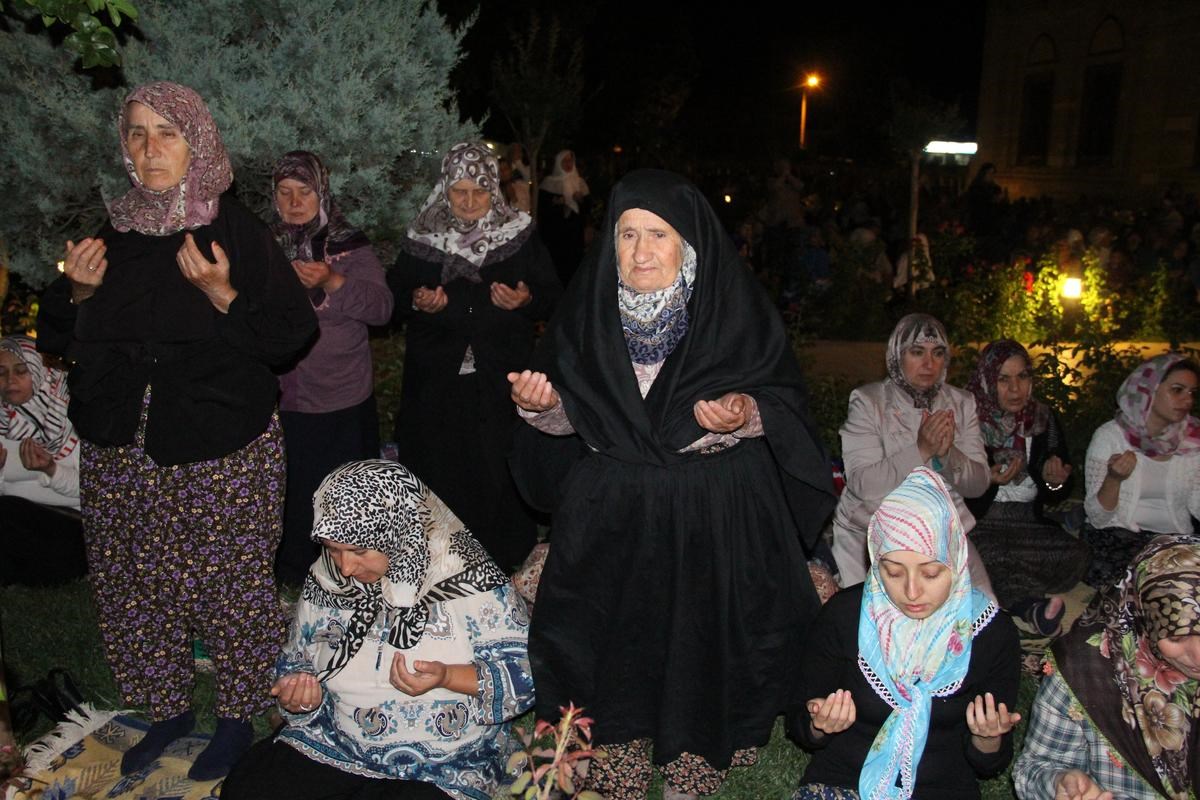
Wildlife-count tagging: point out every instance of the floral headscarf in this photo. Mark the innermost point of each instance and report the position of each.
(297, 240)
(1134, 399)
(1153, 725)
(464, 246)
(1005, 432)
(194, 201)
(43, 417)
(915, 329)
(910, 661)
(382, 506)
(655, 322)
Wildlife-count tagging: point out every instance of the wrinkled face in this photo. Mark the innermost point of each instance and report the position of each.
(915, 583)
(922, 364)
(1014, 384)
(160, 154)
(1173, 399)
(1182, 653)
(16, 381)
(649, 251)
(469, 201)
(360, 563)
(296, 201)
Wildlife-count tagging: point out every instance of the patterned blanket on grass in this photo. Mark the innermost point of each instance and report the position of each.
(81, 760)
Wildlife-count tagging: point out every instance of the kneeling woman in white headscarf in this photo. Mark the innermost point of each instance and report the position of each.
(908, 677)
(406, 660)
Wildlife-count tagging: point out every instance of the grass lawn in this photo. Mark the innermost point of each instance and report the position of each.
(45, 628)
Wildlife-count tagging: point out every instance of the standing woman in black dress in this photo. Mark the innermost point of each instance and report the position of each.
(471, 281)
(669, 434)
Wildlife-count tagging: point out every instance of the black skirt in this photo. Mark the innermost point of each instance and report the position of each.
(674, 602)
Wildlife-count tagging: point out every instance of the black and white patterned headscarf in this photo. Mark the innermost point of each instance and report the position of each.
(464, 246)
(432, 557)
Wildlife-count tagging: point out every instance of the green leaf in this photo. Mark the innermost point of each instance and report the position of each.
(124, 7)
(48, 20)
(520, 783)
(85, 22)
(588, 794)
(95, 5)
(515, 760)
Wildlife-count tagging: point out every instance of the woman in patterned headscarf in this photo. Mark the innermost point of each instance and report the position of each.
(407, 658)
(327, 401)
(174, 316)
(911, 418)
(883, 652)
(41, 538)
(471, 280)
(1143, 467)
(1117, 711)
(1029, 558)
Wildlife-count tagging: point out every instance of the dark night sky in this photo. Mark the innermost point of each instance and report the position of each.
(741, 66)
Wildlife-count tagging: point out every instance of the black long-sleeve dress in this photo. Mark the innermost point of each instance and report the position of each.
(454, 426)
(950, 764)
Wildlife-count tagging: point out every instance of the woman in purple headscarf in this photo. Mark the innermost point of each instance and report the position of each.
(1143, 466)
(173, 316)
(327, 405)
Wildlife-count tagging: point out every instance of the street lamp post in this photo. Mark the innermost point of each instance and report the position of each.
(811, 81)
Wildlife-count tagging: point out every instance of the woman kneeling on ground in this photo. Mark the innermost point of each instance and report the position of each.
(407, 658)
(910, 675)
(1116, 714)
(1030, 559)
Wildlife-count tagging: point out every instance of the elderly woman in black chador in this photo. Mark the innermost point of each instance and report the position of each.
(669, 432)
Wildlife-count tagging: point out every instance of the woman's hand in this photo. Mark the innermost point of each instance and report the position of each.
(84, 266)
(1076, 784)
(210, 277)
(987, 722)
(1003, 474)
(724, 415)
(533, 391)
(1055, 472)
(298, 692)
(36, 458)
(1121, 465)
(425, 675)
(832, 714)
(318, 275)
(430, 301)
(510, 299)
(935, 437)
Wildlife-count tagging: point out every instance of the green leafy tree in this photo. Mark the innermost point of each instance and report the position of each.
(363, 84)
(90, 38)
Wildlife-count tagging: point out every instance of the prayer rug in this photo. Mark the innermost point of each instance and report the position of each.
(81, 760)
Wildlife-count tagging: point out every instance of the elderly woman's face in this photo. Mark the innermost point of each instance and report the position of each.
(296, 201)
(649, 251)
(469, 201)
(16, 382)
(361, 563)
(923, 363)
(160, 154)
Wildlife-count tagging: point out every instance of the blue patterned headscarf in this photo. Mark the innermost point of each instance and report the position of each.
(655, 322)
(908, 661)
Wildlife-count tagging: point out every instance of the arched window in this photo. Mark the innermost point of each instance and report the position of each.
(1101, 95)
(1037, 102)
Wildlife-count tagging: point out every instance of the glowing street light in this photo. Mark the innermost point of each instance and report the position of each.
(1072, 288)
(812, 82)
